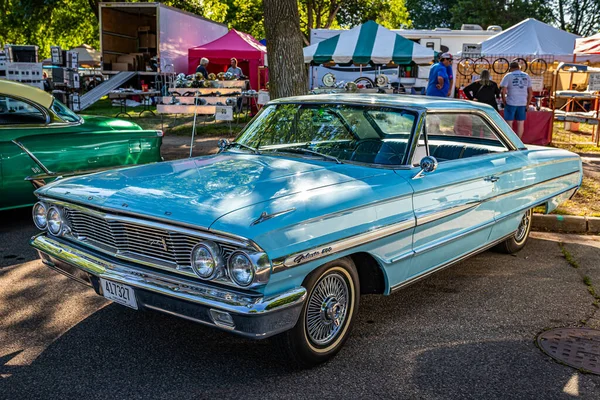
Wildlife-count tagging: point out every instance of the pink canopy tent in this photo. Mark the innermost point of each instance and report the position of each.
(249, 52)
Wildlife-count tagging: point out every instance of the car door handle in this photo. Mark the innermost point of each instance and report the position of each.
(491, 178)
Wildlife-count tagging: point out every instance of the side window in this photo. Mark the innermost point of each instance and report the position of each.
(17, 112)
(454, 136)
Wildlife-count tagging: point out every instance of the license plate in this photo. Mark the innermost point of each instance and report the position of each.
(119, 293)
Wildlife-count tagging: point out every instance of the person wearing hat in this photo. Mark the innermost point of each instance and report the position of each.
(439, 81)
(516, 96)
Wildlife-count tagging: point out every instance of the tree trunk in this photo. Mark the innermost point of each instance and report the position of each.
(287, 72)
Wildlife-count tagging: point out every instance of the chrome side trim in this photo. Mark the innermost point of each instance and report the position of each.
(435, 215)
(448, 264)
(341, 245)
(280, 264)
(433, 245)
(512, 192)
(33, 157)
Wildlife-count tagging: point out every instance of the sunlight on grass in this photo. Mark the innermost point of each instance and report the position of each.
(577, 142)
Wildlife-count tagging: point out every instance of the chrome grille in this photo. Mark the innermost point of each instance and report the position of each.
(137, 242)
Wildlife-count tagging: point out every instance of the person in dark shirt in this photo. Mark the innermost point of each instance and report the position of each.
(202, 67)
(484, 90)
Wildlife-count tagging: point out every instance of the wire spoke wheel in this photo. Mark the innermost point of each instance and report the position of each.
(538, 66)
(466, 66)
(481, 64)
(327, 309)
(523, 229)
(500, 66)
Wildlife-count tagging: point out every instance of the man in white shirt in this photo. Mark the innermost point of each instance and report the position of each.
(516, 96)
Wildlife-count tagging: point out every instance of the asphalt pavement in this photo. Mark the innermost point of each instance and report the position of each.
(465, 332)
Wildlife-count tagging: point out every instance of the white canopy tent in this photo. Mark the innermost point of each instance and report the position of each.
(533, 38)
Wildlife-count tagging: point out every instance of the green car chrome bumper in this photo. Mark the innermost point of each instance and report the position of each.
(251, 316)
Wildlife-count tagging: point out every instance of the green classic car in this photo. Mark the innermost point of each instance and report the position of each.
(41, 139)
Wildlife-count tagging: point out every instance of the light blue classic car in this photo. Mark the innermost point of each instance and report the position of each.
(319, 200)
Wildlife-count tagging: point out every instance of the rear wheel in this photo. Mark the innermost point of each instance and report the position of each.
(516, 242)
(327, 315)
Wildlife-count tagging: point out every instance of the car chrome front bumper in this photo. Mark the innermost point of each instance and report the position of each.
(255, 317)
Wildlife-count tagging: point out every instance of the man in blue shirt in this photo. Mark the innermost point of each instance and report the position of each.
(439, 81)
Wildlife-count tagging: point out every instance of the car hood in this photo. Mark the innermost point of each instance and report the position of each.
(98, 123)
(198, 191)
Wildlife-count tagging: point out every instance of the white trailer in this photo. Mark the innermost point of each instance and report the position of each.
(131, 34)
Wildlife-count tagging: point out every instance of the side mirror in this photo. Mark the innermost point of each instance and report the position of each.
(223, 144)
(428, 164)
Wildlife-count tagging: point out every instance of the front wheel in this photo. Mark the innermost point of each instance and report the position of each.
(327, 315)
(516, 242)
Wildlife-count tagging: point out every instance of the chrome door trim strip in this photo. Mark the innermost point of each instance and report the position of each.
(33, 157)
(329, 249)
(512, 192)
(435, 215)
(433, 245)
(356, 208)
(448, 264)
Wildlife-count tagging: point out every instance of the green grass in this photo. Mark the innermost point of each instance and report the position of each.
(570, 259)
(171, 124)
(577, 142)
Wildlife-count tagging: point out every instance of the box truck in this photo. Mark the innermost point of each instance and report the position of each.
(151, 37)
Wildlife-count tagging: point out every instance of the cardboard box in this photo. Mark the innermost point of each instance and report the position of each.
(120, 66)
(147, 40)
(128, 59)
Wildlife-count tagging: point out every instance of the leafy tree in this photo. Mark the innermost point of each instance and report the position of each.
(505, 13)
(581, 17)
(430, 14)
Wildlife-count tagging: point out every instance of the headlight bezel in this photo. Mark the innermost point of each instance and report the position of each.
(44, 215)
(215, 251)
(60, 221)
(230, 268)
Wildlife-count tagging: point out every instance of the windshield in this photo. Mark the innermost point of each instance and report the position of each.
(365, 134)
(63, 112)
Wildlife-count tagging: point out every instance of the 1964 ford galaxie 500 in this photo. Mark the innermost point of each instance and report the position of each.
(41, 139)
(319, 200)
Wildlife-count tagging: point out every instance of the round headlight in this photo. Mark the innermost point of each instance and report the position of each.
(241, 269)
(54, 221)
(39, 215)
(206, 260)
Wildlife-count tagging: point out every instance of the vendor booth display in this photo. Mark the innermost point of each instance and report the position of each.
(576, 97)
(250, 54)
(372, 45)
(536, 46)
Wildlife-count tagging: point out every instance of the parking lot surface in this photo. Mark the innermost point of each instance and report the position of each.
(465, 332)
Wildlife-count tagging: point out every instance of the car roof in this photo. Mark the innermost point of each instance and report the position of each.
(16, 89)
(394, 100)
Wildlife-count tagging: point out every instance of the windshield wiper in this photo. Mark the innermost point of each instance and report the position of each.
(231, 144)
(300, 150)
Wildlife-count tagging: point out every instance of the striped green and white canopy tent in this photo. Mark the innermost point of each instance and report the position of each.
(369, 42)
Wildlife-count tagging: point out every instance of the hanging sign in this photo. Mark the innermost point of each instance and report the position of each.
(263, 97)
(594, 82)
(223, 113)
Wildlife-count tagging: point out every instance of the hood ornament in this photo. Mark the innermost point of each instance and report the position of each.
(266, 216)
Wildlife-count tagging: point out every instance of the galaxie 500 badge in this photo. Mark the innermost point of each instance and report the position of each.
(302, 258)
